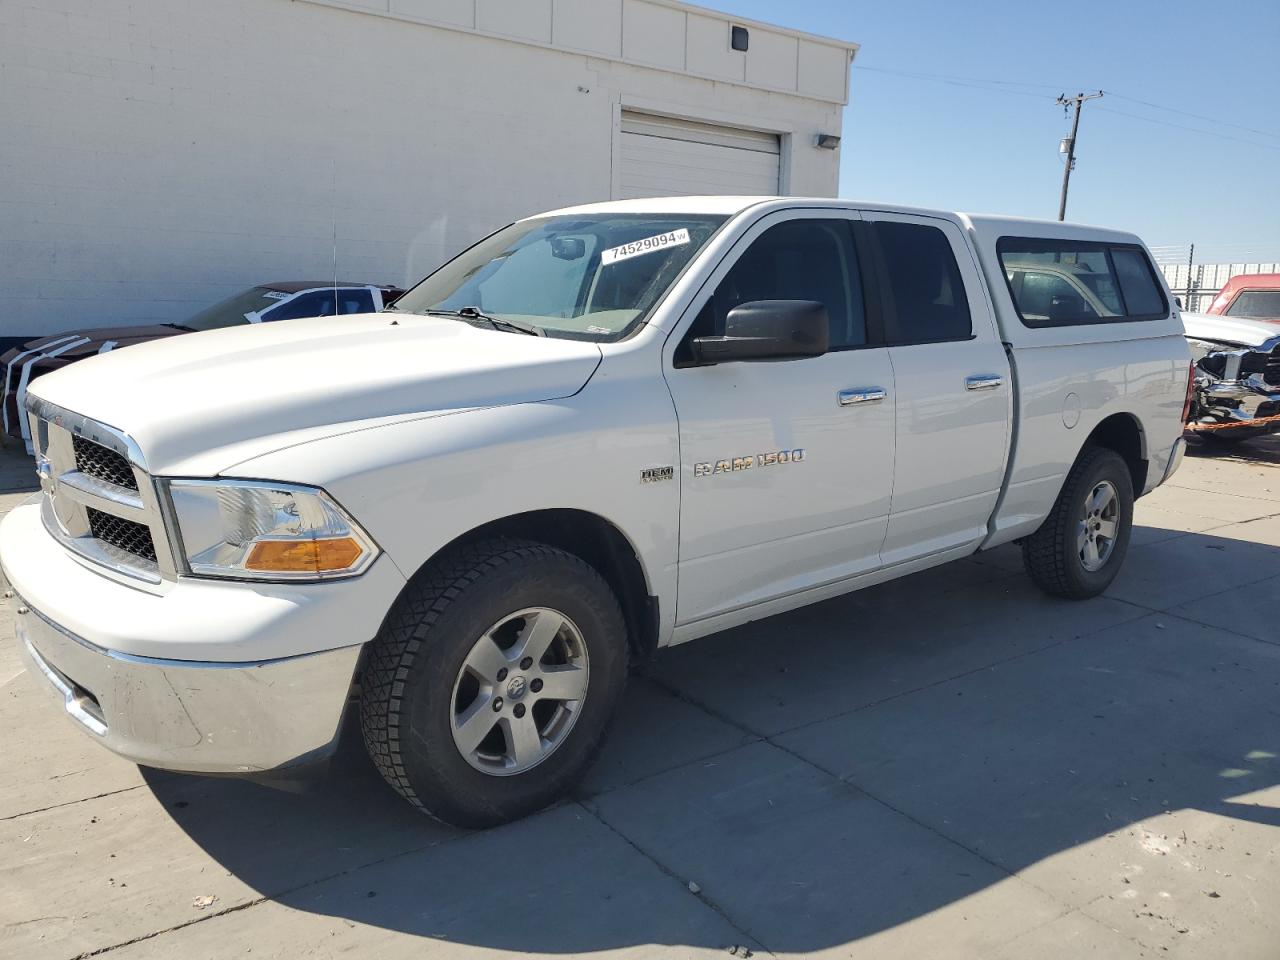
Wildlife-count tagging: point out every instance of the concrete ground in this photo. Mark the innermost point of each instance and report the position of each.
(951, 765)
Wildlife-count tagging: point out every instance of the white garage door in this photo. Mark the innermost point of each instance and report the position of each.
(662, 157)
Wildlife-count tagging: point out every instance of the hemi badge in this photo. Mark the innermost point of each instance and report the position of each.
(654, 474)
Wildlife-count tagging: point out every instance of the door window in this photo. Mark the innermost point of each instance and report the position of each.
(928, 294)
(804, 259)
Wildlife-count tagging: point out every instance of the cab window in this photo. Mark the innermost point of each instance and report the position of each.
(804, 259)
(925, 289)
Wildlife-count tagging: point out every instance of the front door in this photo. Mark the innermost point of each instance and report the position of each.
(786, 468)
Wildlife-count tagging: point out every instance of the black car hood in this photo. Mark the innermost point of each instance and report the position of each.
(77, 344)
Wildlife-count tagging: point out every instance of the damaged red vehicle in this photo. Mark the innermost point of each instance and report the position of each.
(1254, 296)
(265, 303)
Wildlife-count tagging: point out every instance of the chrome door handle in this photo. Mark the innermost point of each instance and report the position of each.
(983, 381)
(848, 398)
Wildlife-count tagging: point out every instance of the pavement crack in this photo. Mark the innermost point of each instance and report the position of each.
(1223, 493)
(177, 926)
(683, 881)
(274, 895)
(1187, 618)
(70, 803)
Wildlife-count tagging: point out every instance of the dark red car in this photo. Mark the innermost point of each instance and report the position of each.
(1252, 295)
(268, 302)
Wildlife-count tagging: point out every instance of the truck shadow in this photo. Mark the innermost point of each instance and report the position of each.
(1258, 450)
(824, 776)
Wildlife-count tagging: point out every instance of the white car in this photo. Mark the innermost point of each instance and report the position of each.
(1237, 376)
(597, 432)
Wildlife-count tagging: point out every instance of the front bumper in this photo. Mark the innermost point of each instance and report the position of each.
(1248, 405)
(200, 676)
(192, 716)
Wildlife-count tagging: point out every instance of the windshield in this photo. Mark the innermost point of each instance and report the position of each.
(1258, 304)
(232, 311)
(589, 277)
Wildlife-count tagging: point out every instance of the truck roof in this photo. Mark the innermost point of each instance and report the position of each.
(982, 224)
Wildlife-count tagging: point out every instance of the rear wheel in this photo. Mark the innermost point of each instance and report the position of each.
(490, 688)
(1081, 545)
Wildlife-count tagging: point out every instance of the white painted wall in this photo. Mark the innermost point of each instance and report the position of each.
(160, 154)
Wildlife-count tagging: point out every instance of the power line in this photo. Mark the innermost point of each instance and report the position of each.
(952, 77)
(1182, 126)
(970, 83)
(999, 86)
(1196, 116)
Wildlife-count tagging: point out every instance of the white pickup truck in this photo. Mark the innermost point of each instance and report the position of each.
(595, 433)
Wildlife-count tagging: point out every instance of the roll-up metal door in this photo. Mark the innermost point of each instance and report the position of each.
(662, 157)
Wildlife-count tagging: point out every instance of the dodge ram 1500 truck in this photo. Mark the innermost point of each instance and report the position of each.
(597, 432)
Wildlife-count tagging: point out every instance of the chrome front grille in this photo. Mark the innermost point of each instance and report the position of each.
(103, 464)
(99, 500)
(126, 535)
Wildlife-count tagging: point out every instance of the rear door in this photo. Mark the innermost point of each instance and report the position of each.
(953, 403)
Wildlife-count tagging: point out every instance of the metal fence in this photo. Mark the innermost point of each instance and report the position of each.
(1196, 284)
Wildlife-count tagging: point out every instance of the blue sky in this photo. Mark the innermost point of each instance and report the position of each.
(993, 147)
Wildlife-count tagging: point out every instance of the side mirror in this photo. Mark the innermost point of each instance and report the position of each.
(768, 330)
(1178, 301)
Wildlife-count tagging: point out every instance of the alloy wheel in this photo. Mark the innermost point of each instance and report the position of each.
(519, 691)
(1098, 527)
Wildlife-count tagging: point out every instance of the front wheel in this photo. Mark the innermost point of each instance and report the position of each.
(490, 688)
(1081, 545)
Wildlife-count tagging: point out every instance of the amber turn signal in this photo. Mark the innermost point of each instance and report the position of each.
(304, 556)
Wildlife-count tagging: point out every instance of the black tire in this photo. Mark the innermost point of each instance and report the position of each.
(407, 685)
(1051, 555)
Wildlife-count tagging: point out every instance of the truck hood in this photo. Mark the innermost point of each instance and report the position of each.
(1234, 330)
(198, 404)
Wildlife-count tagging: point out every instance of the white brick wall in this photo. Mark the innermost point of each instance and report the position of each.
(159, 154)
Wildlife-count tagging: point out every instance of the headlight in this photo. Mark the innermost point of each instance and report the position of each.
(1202, 348)
(245, 529)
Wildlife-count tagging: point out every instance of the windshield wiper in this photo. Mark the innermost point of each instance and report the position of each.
(468, 314)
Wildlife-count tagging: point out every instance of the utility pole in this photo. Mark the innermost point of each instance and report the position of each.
(1070, 144)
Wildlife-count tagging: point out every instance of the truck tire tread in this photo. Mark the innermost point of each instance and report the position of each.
(407, 628)
(1046, 554)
